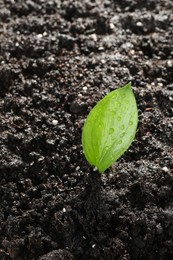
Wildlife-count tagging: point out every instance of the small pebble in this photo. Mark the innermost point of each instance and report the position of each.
(169, 63)
(51, 58)
(101, 48)
(85, 88)
(50, 141)
(132, 52)
(160, 84)
(45, 34)
(93, 37)
(139, 24)
(39, 36)
(165, 169)
(112, 26)
(54, 122)
(103, 61)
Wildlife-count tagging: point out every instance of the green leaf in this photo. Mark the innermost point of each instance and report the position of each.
(110, 128)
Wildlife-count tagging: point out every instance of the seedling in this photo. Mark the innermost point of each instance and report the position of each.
(110, 128)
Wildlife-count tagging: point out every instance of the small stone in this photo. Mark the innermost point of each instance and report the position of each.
(50, 141)
(169, 63)
(41, 158)
(51, 58)
(112, 26)
(101, 48)
(80, 76)
(160, 84)
(54, 122)
(139, 24)
(85, 88)
(45, 34)
(132, 52)
(93, 37)
(39, 36)
(165, 169)
(127, 45)
(103, 61)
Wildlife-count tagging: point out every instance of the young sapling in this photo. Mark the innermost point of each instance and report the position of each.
(110, 128)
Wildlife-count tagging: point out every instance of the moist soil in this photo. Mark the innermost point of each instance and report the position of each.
(57, 60)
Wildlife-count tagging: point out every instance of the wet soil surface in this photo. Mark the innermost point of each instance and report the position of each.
(57, 59)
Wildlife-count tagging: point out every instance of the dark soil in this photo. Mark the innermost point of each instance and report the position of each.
(57, 59)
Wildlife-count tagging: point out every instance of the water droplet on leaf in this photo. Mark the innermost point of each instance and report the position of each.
(118, 104)
(113, 112)
(111, 130)
(123, 134)
(107, 148)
